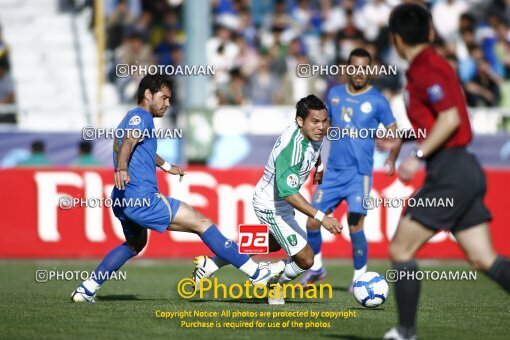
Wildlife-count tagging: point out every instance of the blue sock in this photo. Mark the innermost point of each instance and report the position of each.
(224, 248)
(359, 249)
(315, 240)
(112, 261)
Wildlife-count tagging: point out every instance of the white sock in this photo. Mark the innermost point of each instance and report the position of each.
(291, 271)
(91, 285)
(219, 262)
(249, 268)
(317, 262)
(358, 272)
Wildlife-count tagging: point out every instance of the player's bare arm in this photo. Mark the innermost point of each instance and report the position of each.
(446, 124)
(394, 151)
(319, 171)
(300, 203)
(121, 176)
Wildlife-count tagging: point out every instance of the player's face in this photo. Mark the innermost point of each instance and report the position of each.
(359, 81)
(313, 126)
(160, 102)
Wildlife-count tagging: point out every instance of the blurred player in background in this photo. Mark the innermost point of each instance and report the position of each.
(435, 103)
(135, 162)
(277, 195)
(355, 105)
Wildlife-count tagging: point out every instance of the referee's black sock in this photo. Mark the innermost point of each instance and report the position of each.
(500, 272)
(407, 291)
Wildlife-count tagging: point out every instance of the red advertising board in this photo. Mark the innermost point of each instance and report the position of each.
(34, 226)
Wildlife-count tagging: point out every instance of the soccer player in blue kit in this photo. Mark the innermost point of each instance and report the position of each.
(355, 105)
(135, 162)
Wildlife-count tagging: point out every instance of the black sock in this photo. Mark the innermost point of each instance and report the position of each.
(500, 272)
(407, 292)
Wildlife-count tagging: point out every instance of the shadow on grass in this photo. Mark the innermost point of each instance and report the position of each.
(123, 297)
(250, 301)
(340, 288)
(348, 336)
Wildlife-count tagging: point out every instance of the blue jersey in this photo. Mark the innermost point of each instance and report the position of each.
(364, 110)
(142, 164)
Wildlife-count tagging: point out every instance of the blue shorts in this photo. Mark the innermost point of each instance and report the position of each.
(154, 212)
(342, 184)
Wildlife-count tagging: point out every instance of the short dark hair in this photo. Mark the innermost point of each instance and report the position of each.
(411, 22)
(38, 146)
(310, 102)
(359, 52)
(153, 83)
(85, 147)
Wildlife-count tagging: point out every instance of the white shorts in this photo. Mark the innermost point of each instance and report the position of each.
(285, 229)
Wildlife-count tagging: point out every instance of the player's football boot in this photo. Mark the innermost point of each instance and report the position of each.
(82, 294)
(394, 334)
(204, 268)
(312, 276)
(268, 271)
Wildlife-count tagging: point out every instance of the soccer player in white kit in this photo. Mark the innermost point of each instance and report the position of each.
(276, 195)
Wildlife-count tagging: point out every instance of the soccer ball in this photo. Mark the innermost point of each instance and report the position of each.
(371, 289)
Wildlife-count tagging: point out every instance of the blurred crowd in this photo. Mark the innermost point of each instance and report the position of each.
(256, 45)
(6, 83)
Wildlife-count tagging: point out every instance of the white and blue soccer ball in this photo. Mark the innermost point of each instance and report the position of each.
(371, 289)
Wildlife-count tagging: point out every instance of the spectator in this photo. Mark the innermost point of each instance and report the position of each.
(348, 38)
(37, 157)
(375, 15)
(163, 51)
(233, 92)
(264, 86)
(117, 23)
(6, 85)
(222, 52)
(483, 89)
(446, 15)
(133, 51)
(85, 157)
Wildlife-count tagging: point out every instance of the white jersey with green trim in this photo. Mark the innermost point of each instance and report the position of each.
(289, 165)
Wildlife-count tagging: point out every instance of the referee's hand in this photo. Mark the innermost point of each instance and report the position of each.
(408, 168)
(121, 178)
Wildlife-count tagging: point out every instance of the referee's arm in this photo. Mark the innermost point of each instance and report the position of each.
(446, 123)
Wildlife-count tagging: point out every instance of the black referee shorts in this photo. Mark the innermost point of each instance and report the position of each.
(452, 196)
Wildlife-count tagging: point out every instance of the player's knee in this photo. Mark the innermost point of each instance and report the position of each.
(304, 263)
(312, 224)
(305, 258)
(137, 246)
(482, 263)
(353, 220)
(400, 253)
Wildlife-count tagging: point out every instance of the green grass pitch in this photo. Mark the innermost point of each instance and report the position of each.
(126, 309)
